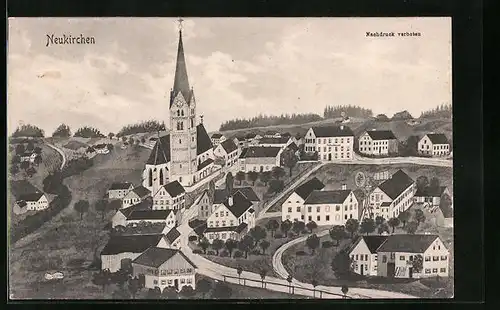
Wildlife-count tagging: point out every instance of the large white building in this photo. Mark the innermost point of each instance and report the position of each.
(393, 196)
(333, 207)
(118, 190)
(293, 207)
(170, 197)
(260, 159)
(136, 195)
(165, 268)
(331, 142)
(434, 144)
(378, 143)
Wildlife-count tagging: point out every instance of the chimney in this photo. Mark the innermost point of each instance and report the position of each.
(230, 201)
(344, 187)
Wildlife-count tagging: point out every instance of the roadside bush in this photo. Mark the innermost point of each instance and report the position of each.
(326, 244)
(197, 251)
(238, 254)
(300, 253)
(211, 253)
(193, 238)
(224, 254)
(278, 236)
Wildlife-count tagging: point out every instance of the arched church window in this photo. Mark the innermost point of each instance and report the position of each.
(161, 176)
(150, 178)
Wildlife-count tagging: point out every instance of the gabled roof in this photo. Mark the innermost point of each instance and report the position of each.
(372, 242)
(174, 188)
(260, 151)
(216, 135)
(274, 140)
(172, 235)
(243, 153)
(161, 152)
(381, 134)
(155, 257)
(396, 185)
(437, 138)
(204, 164)
(430, 191)
(143, 205)
(120, 185)
(332, 131)
(240, 204)
(203, 141)
(131, 243)
(229, 146)
(308, 187)
(30, 196)
(149, 215)
(141, 191)
(220, 195)
(407, 243)
(335, 196)
(292, 146)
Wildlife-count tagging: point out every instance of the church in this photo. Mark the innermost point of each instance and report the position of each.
(185, 154)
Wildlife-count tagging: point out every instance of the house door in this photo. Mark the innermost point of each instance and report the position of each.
(176, 284)
(362, 269)
(391, 267)
(261, 168)
(330, 157)
(411, 272)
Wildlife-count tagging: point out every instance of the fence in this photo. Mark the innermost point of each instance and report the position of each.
(287, 288)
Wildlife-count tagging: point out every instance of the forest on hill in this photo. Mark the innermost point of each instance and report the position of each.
(270, 120)
(142, 127)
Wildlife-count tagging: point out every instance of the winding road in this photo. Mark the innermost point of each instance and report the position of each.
(60, 152)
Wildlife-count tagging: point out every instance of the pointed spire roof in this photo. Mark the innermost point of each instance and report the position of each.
(181, 82)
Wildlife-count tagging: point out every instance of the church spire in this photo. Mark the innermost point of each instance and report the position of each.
(181, 82)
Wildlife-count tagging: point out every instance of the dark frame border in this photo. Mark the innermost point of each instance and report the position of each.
(467, 95)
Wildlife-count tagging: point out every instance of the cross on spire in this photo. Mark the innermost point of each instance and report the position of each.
(180, 20)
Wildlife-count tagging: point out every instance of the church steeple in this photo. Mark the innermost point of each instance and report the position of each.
(181, 82)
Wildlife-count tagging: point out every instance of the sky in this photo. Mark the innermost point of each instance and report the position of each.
(238, 67)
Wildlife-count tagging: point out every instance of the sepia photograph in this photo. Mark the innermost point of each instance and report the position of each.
(230, 158)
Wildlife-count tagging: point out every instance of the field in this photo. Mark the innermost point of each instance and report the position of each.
(66, 238)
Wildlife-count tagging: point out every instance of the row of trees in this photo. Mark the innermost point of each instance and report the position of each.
(270, 120)
(441, 111)
(88, 132)
(350, 110)
(16, 164)
(28, 131)
(142, 127)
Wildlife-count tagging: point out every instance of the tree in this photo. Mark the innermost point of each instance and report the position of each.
(278, 173)
(30, 147)
(229, 182)
(131, 140)
(265, 177)
(124, 139)
(111, 135)
(435, 183)
(344, 290)
(289, 159)
(312, 243)
(239, 270)
(311, 226)
(30, 171)
(258, 233)
(272, 225)
(62, 131)
(263, 273)
(143, 140)
(187, 291)
(422, 182)
(20, 149)
(383, 228)
(98, 279)
(411, 228)
(379, 220)
(110, 147)
(101, 206)
(14, 169)
(52, 183)
(417, 263)
(169, 292)
(264, 245)
(217, 245)
(204, 244)
(246, 244)
(240, 176)
(38, 160)
(252, 176)
(16, 159)
(276, 186)
(230, 245)
(419, 216)
(203, 286)
(221, 291)
(352, 226)
(25, 165)
(38, 150)
(298, 226)
(382, 118)
(367, 226)
(285, 227)
(404, 217)
(393, 222)
(88, 132)
(342, 264)
(133, 286)
(81, 207)
(337, 233)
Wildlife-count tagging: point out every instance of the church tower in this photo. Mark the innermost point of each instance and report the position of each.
(183, 142)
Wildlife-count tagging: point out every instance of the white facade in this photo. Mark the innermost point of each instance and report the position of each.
(364, 262)
(223, 217)
(119, 193)
(130, 199)
(217, 140)
(41, 204)
(426, 147)
(329, 148)
(383, 205)
(292, 208)
(230, 159)
(163, 201)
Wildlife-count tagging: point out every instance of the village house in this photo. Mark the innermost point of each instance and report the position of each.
(378, 143)
(363, 254)
(331, 142)
(296, 200)
(434, 144)
(169, 217)
(204, 206)
(260, 159)
(231, 220)
(217, 138)
(431, 195)
(252, 139)
(165, 268)
(221, 195)
(120, 217)
(332, 207)
(393, 196)
(119, 190)
(135, 196)
(120, 251)
(274, 141)
(396, 256)
(101, 148)
(228, 150)
(32, 201)
(170, 197)
(28, 156)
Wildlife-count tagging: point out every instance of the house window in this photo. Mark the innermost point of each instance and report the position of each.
(434, 270)
(189, 270)
(169, 271)
(427, 270)
(345, 216)
(345, 208)
(443, 257)
(327, 218)
(169, 282)
(366, 267)
(327, 208)
(302, 217)
(309, 218)
(337, 208)
(289, 210)
(298, 209)
(155, 282)
(442, 270)
(435, 258)
(318, 218)
(361, 257)
(375, 258)
(189, 281)
(356, 256)
(183, 280)
(163, 282)
(163, 272)
(318, 209)
(366, 257)
(384, 259)
(309, 209)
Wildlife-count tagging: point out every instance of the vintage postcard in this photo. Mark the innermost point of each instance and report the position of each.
(230, 158)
